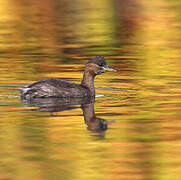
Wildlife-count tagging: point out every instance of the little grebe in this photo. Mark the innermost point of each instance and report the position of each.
(55, 87)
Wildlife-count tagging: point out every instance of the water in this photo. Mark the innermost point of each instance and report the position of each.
(135, 130)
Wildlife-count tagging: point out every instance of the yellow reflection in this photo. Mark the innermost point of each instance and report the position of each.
(57, 145)
(96, 24)
(159, 35)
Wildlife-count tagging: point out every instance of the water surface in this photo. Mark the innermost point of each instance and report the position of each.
(139, 110)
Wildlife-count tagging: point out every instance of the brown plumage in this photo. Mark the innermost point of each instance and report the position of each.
(55, 87)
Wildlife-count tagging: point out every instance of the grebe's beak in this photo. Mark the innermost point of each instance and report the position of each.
(108, 68)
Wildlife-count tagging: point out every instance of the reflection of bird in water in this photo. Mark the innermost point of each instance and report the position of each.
(53, 105)
(93, 123)
(59, 88)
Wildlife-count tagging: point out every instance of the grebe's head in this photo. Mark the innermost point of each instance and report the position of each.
(98, 65)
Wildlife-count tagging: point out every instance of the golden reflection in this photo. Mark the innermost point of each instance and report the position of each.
(158, 43)
(43, 39)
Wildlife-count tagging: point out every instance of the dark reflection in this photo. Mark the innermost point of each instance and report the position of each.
(93, 123)
(54, 105)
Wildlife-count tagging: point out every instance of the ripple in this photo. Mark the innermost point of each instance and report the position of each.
(116, 89)
(9, 96)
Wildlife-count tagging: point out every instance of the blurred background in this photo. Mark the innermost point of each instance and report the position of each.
(141, 102)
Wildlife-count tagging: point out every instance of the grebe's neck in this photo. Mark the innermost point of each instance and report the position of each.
(88, 81)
